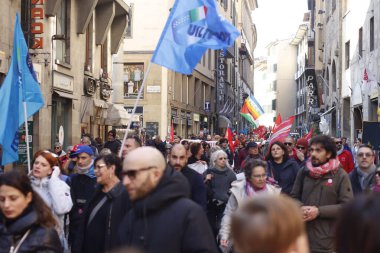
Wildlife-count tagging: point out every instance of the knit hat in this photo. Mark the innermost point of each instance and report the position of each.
(302, 142)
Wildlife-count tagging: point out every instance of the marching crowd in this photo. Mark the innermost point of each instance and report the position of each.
(204, 194)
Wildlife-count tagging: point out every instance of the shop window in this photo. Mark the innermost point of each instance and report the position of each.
(133, 78)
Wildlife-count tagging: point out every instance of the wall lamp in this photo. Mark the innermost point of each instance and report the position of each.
(58, 37)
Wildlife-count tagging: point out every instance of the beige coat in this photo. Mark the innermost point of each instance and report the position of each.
(237, 197)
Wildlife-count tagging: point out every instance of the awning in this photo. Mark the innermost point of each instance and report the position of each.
(65, 95)
(117, 115)
(328, 111)
(224, 122)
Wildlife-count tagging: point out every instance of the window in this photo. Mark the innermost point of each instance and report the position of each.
(274, 104)
(63, 28)
(347, 54)
(274, 67)
(371, 34)
(274, 87)
(89, 46)
(360, 42)
(133, 77)
(128, 32)
(333, 5)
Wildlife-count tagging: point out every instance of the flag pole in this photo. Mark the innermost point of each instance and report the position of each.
(27, 136)
(134, 108)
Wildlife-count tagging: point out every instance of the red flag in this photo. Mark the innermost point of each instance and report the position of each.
(172, 133)
(277, 122)
(228, 136)
(309, 134)
(282, 130)
(261, 131)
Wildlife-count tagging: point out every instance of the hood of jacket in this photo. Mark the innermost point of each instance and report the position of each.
(172, 186)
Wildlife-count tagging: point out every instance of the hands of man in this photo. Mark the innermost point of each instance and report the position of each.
(309, 213)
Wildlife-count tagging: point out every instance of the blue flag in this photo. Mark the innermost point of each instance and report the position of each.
(20, 85)
(192, 28)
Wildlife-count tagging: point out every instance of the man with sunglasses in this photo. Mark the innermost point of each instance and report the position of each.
(363, 176)
(58, 149)
(322, 187)
(163, 218)
(344, 156)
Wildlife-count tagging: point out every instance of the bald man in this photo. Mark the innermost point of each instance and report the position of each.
(178, 161)
(163, 218)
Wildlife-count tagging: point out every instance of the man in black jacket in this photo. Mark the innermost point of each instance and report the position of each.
(163, 218)
(363, 176)
(178, 161)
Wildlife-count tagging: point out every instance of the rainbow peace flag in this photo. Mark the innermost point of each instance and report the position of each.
(244, 112)
(254, 107)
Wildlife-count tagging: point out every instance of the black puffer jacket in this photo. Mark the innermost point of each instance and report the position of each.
(40, 239)
(167, 220)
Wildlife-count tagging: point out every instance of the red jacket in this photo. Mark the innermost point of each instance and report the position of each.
(345, 158)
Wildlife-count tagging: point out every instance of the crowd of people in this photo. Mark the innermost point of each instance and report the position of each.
(204, 194)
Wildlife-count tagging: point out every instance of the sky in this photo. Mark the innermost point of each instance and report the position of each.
(277, 19)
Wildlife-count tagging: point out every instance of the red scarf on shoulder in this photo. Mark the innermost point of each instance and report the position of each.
(317, 172)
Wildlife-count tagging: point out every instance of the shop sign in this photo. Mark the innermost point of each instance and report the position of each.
(22, 138)
(196, 117)
(63, 82)
(37, 26)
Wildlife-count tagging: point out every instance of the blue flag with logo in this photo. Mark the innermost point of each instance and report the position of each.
(192, 28)
(20, 85)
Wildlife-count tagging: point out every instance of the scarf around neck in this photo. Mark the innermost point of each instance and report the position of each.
(319, 171)
(88, 171)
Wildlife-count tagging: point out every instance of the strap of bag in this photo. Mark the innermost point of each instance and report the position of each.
(15, 249)
(96, 209)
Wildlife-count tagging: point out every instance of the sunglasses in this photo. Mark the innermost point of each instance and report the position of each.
(131, 174)
(364, 154)
(301, 147)
(338, 142)
(288, 143)
(57, 147)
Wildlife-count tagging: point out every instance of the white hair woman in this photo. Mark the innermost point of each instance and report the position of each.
(218, 179)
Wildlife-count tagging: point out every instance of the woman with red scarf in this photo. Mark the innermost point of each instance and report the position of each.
(255, 184)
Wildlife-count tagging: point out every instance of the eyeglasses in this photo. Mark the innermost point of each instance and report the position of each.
(131, 174)
(301, 147)
(364, 154)
(100, 166)
(259, 176)
(222, 158)
(288, 143)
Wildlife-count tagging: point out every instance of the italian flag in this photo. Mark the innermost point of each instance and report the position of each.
(244, 112)
(198, 13)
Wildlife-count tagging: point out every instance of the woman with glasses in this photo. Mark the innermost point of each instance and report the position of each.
(106, 208)
(218, 179)
(253, 185)
(55, 192)
(27, 223)
(282, 169)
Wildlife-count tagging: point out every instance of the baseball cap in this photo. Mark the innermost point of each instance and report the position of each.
(252, 144)
(81, 149)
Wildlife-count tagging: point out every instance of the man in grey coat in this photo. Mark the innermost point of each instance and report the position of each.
(322, 187)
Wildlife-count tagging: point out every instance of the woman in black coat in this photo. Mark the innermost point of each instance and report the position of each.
(106, 208)
(27, 222)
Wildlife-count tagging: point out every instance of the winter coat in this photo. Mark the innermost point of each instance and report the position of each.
(114, 146)
(167, 221)
(347, 161)
(238, 195)
(82, 189)
(220, 184)
(241, 157)
(355, 182)
(328, 194)
(285, 174)
(56, 194)
(198, 188)
(40, 239)
(105, 222)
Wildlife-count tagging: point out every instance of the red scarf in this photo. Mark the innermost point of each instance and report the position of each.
(317, 172)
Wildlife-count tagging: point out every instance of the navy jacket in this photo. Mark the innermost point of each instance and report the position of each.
(198, 188)
(167, 221)
(285, 174)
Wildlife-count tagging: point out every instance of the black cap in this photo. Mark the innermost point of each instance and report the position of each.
(252, 144)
